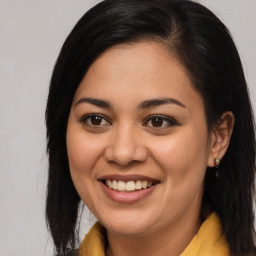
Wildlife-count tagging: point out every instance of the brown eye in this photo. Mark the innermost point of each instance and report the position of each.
(160, 121)
(157, 122)
(95, 120)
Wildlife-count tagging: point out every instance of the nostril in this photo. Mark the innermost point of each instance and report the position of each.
(126, 154)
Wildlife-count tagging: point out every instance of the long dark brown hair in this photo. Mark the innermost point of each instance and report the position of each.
(196, 37)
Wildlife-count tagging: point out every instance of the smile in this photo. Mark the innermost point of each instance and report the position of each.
(129, 186)
(128, 189)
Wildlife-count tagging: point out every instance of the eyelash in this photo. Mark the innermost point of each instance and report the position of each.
(84, 119)
(169, 122)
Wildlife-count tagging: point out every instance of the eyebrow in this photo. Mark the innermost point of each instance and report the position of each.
(158, 102)
(96, 102)
(142, 106)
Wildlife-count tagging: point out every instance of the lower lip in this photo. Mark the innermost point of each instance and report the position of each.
(127, 197)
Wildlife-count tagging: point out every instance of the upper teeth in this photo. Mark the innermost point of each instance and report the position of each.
(128, 186)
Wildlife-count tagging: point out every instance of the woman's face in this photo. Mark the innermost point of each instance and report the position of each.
(137, 140)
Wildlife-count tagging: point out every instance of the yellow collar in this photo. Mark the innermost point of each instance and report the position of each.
(94, 242)
(209, 241)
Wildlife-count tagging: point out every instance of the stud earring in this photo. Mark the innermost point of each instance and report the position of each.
(217, 163)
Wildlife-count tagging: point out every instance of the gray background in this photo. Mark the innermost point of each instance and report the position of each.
(31, 34)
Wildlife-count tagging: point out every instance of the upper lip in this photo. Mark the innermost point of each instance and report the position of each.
(127, 178)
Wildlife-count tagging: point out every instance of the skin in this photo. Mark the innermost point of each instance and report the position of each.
(127, 141)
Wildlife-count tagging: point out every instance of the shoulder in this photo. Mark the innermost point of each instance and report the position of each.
(209, 241)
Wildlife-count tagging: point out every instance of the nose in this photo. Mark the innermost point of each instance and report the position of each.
(125, 147)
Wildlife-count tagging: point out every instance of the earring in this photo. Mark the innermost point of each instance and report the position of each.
(217, 163)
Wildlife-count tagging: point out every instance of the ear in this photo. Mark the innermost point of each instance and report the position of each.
(220, 137)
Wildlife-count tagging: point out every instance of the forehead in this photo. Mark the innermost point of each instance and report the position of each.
(144, 69)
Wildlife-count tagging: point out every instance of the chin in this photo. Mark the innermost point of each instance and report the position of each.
(128, 229)
(129, 223)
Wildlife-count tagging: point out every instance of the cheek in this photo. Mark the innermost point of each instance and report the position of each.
(183, 160)
(183, 156)
(83, 155)
(83, 151)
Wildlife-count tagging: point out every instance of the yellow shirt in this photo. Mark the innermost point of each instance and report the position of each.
(209, 241)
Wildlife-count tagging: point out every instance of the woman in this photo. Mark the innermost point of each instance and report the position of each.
(149, 123)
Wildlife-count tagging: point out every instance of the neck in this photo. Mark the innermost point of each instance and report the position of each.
(170, 240)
